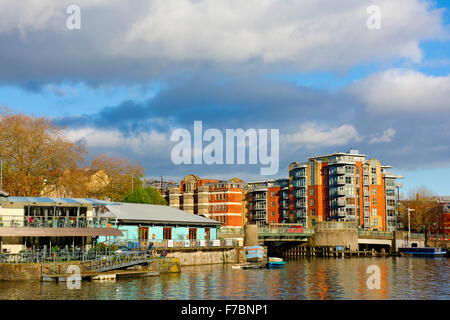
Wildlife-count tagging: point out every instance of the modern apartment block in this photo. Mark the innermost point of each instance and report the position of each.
(222, 201)
(345, 187)
(268, 202)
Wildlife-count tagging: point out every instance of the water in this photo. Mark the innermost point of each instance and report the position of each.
(302, 278)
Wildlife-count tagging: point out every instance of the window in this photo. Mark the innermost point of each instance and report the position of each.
(312, 202)
(272, 204)
(374, 191)
(374, 211)
(273, 214)
(192, 233)
(374, 201)
(167, 233)
(348, 180)
(313, 222)
(272, 194)
(313, 212)
(375, 222)
(312, 192)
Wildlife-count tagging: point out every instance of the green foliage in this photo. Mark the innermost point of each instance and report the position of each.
(56, 249)
(145, 195)
(155, 196)
(137, 196)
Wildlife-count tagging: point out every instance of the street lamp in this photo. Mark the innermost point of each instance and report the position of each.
(409, 224)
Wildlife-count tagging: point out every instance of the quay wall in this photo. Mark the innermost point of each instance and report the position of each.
(195, 258)
(32, 271)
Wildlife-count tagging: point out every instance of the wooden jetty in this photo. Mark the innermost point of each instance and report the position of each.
(248, 265)
(332, 252)
(95, 276)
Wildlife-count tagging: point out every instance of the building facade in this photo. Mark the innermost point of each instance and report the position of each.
(214, 199)
(346, 187)
(267, 202)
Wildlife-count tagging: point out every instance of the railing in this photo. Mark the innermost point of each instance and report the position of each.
(46, 256)
(285, 230)
(167, 244)
(230, 231)
(334, 225)
(439, 237)
(371, 233)
(53, 222)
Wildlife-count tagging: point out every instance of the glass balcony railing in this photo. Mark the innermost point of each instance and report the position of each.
(54, 222)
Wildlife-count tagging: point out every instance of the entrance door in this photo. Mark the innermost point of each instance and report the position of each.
(207, 234)
(143, 236)
(192, 233)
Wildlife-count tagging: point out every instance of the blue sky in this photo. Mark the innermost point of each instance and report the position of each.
(136, 70)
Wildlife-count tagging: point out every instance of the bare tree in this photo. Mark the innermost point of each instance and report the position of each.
(35, 154)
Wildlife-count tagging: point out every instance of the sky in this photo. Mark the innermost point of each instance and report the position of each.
(318, 71)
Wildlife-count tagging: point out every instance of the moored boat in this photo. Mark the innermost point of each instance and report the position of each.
(275, 262)
(422, 252)
(254, 253)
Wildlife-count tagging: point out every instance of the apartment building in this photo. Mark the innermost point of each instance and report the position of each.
(219, 200)
(268, 202)
(345, 187)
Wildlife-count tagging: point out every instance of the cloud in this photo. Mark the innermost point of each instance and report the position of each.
(312, 135)
(144, 40)
(403, 91)
(143, 143)
(386, 137)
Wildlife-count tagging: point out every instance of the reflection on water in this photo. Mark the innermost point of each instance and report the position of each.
(401, 278)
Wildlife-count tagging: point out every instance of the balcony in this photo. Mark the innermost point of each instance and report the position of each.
(340, 170)
(53, 222)
(41, 226)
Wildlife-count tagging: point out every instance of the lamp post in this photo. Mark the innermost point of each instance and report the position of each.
(409, 224)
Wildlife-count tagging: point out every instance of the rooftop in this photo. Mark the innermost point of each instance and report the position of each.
(157, 214)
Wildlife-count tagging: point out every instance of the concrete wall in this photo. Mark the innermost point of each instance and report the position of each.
(346, 238)
(193, 258)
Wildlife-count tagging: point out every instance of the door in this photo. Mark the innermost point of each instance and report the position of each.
(143, 236)
(207, 234)
(192, 233)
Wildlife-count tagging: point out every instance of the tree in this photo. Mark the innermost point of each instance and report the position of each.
(137, 196)
(155, 196)
(35, 155)
(113, 178)
(145, 195)
(423, 217)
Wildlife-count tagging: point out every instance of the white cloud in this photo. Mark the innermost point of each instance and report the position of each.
(386, 137)
(400, 90)
(304, 35)
(313, 135)
(151, 143)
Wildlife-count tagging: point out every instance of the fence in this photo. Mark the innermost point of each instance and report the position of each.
(53, 222)
(370, 233)
(179, 244)
(335, 225)
(42, 256)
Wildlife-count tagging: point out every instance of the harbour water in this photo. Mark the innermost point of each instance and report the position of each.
(302, 278)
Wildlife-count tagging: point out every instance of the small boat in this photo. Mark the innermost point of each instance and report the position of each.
(422, 252)
(276, 262)
(254, 253)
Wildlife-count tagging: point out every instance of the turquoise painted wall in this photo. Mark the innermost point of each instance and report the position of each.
(178, 233)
